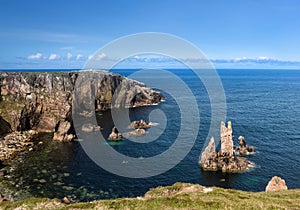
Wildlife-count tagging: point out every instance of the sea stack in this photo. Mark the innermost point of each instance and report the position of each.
(225, 159)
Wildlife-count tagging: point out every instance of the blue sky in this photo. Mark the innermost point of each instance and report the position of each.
(232, 33)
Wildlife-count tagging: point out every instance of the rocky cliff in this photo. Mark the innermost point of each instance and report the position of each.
(43, 101)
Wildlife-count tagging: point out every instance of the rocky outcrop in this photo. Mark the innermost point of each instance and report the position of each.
(141, 124)
(243, 149)
(209, 153)
(115, 135)
(43, 101)
(275, 184)
(16, 142)
(226, 139)
(63, 131)
(225, 159)
(89, 127)
(137, 132)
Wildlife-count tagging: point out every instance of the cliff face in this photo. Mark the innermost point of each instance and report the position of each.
(41, 101)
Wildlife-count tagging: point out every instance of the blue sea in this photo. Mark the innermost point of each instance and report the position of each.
(263, 105)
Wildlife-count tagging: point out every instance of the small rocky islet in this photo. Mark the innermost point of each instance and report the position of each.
(228, 158)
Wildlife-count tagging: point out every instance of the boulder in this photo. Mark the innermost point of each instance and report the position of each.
(137, 132)
(275, 184)
(63, 132)
(243, 149)
(141, 124)
(115, 135)
(88, 127)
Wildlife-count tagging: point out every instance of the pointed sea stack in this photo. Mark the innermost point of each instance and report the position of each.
(225, 159)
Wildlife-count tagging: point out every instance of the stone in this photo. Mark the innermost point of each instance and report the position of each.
(275, 184)
(88, 127)
(141, 124)
(243, 149)
(66, 200)
(63, 132)
(137, 132)
(115, 135)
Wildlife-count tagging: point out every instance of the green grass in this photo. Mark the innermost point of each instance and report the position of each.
(178, 196)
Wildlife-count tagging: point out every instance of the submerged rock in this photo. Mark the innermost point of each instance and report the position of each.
(275, 184)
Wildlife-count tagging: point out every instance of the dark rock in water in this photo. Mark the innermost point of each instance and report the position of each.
(115, 135)
(243, 149)
(141, 124)
(88, 127)
(225, 159)
(63, 131)
(137, 132)
(275, 184)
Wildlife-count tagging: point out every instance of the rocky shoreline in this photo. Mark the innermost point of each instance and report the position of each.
(42, 102)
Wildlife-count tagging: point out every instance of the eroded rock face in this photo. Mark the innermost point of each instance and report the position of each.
(225, 159)
(41, 101)
(275, 184)
(226, 139)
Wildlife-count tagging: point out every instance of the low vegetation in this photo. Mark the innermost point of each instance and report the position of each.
(178, 196)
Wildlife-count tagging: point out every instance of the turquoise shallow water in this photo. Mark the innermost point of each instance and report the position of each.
(263, 105)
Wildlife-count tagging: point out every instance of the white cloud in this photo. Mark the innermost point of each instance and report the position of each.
(35, 56)
(97, 57)
(240, 59)
(264, 58)
(69, 56)
(101, 56)
(53, 56)
(79, 56)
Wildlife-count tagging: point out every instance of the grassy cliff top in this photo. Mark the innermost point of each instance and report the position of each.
(178, 196)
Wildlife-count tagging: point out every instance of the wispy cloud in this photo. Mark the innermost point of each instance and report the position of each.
(69, 56)
(97, 57)
(54, 56)
(79, 57)
(35, 56)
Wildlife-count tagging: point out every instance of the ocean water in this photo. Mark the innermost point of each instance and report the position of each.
(263, 105)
